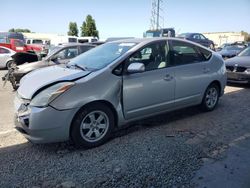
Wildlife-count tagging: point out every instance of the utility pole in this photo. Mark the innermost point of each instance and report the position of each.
(156, 15)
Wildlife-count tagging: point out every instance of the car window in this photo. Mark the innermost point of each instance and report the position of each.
(153, 56)
(67, 53)
(184, 53)
(202, 37)
(37, 41)
(84, 48)
(18, 43)
(205, 53)
(4, 51)
(196, 36)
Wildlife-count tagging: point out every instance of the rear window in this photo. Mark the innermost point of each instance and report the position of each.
(184, 53)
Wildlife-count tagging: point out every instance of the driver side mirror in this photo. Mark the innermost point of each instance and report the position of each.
(136, 68)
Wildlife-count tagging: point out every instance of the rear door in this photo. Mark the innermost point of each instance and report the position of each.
(151, 91)
(191, 73)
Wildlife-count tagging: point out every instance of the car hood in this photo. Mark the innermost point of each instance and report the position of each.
(27, 67)
(229, 52)
(38, 79)
(243, 61)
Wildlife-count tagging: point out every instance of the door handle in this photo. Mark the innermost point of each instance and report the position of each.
(206, 70)
(168, 77)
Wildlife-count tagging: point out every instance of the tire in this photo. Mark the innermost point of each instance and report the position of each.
(9, 64)
(211, 47)
(210, 98)
(92, 126)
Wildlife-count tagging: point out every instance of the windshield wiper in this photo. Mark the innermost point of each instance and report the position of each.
(77, 66)
(80, 67)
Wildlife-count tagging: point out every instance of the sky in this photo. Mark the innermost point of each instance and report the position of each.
(130, 18)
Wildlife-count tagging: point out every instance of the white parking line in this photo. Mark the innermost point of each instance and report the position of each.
(6, 132)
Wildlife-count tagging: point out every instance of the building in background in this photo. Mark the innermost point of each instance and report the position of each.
(220, 38)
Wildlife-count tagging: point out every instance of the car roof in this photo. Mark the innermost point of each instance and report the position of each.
(75, 44)
(139, 40)
(146, 40)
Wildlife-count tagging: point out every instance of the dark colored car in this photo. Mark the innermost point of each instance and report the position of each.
(61, 54)
(231, 51)
(222, 46)
(238, 68)
(198, 38)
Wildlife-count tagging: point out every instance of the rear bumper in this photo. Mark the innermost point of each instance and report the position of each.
(240, 77)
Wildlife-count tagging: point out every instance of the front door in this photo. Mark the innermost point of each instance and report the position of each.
(151, 91)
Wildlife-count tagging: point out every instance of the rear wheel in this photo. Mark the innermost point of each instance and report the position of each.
(210, 98)
(92, 126)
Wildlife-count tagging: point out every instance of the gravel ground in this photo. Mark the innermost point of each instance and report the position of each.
(163, 151)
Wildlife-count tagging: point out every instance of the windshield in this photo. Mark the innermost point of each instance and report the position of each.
(101, 56)
(245, 52)
(232, 48)
(150, 34)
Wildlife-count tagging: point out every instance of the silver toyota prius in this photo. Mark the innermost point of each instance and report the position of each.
(116, 83)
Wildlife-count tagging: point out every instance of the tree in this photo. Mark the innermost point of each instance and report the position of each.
(20, 30)
(246, 36)
(89, 27)
(73, 30)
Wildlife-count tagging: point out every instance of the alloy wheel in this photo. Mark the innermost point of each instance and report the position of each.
(211, 97)
(94, 126)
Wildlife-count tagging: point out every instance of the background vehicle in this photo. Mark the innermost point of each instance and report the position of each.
(222, 46)
(6, 36)
(231, 51)
(57, 40)
(198, 38)
(59, 55)
(19, 46)
(6, 60)
(44, 44)
(116, 83)
(86, 39)
(238, 67)
(38, 41)
(164, 32)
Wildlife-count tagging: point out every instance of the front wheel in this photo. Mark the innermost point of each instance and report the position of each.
(10, 64)
(92, 126)
(211, 47)
(210, 98)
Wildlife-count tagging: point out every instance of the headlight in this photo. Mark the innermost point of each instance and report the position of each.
(247, 71)
(49, 94)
